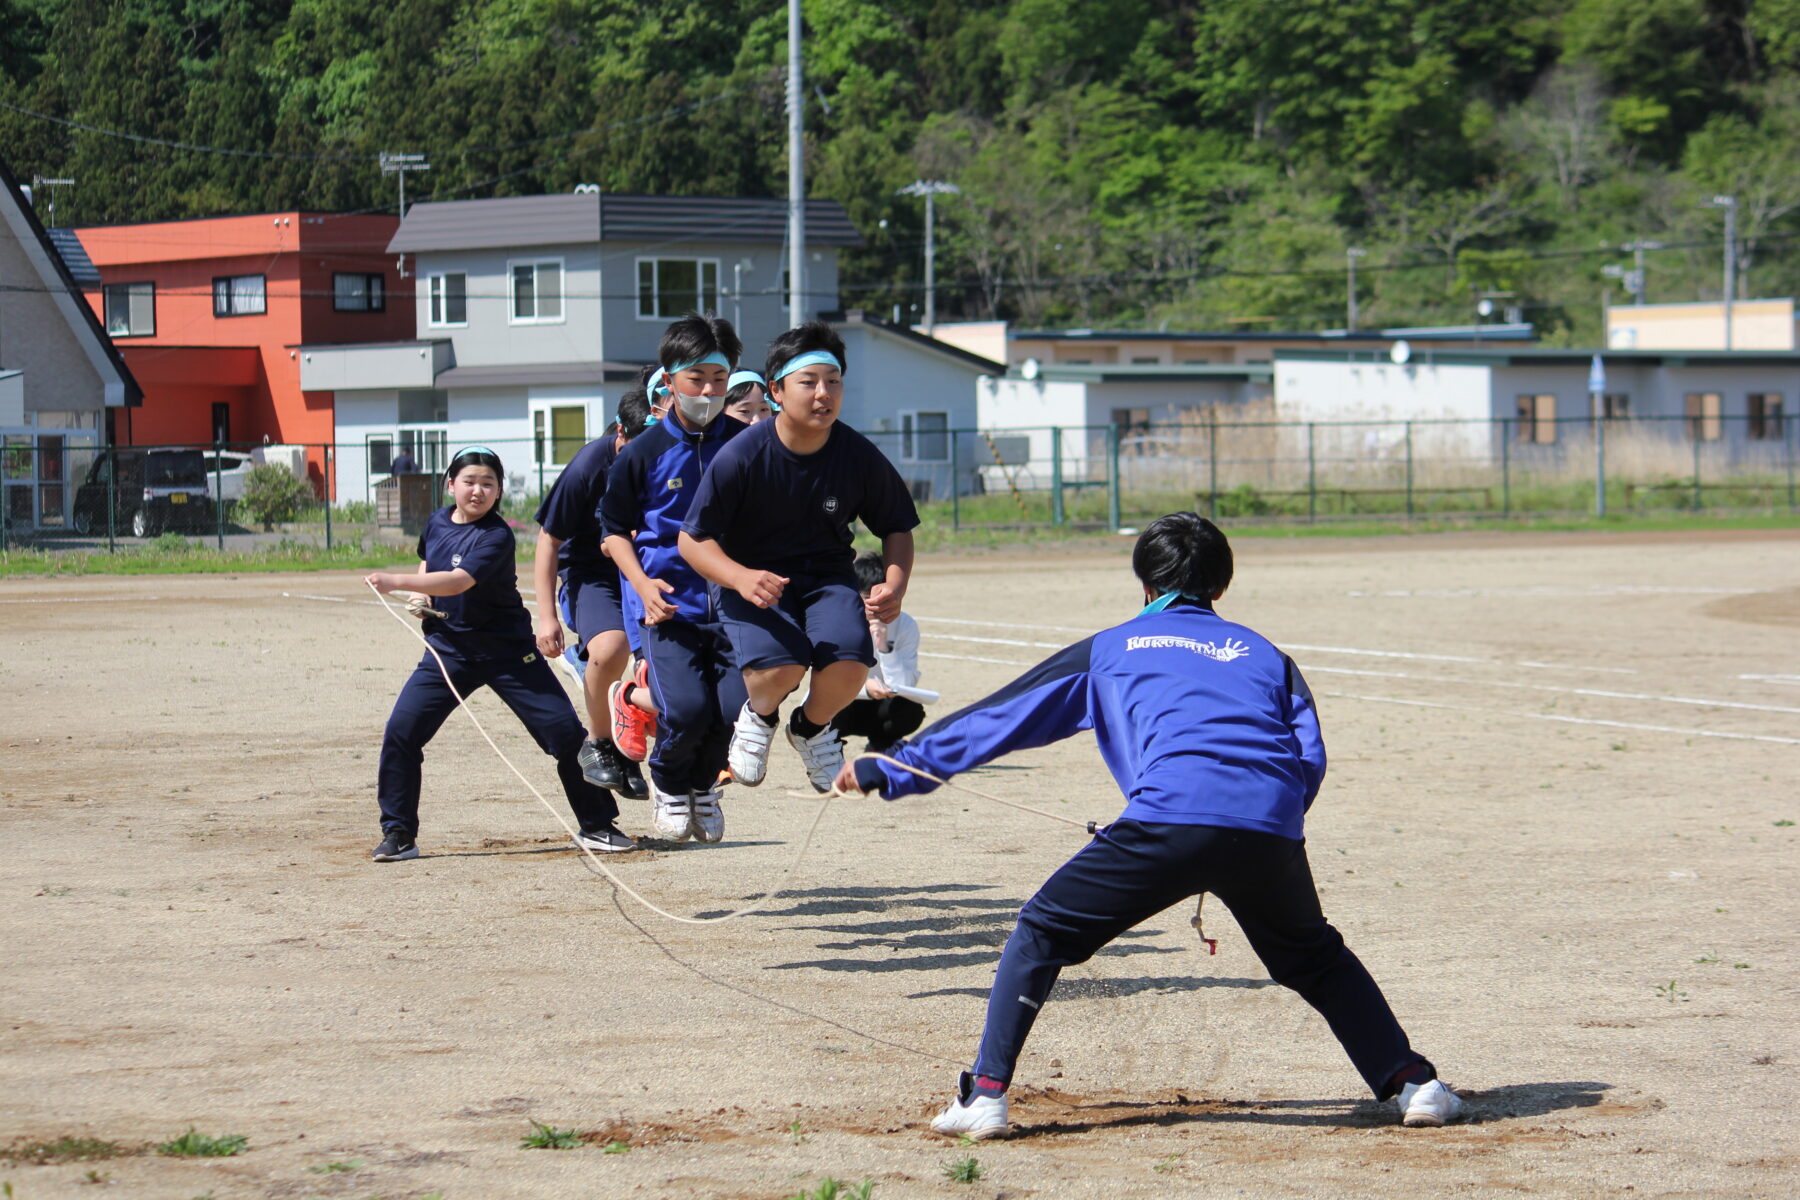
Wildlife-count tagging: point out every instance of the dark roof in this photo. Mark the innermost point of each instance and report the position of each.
(1521, 331)
(134, 395)
(75, 257)
(857, 316)
(537, 374)
(1554, 357)
(572, 219)
(1151, 373)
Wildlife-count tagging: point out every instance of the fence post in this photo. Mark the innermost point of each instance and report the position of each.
(1112, 479)
(1409, 470)
(1212, 450)
(1793, 444)
(1057, 516)
(1695, 429)
(1312, 473)
(328, 490)
(955, 482)
(219, 493)
(1505, 467)
(112, 499)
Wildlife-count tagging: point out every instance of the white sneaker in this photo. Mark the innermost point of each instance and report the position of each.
(673, 813)
(748, 757)
(974, 1117)
(709, 818)
(821, 754)
(1430, 1104)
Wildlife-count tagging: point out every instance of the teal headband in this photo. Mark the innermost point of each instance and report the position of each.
(810, 358)
(1163, 601)
(715, 358)
(472, 450)
(744, 376)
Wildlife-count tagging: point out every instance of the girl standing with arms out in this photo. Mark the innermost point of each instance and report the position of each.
(467, 572)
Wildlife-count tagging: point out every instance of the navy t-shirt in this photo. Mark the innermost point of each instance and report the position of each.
(571, 511)
(489, 620)
(773, 510)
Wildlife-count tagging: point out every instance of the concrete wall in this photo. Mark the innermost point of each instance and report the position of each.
(337, 368)
(1755, 325)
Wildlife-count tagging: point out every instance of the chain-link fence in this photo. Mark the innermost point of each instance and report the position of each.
(70, 490)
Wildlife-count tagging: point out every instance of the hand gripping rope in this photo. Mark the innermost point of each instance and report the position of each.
(418, 608)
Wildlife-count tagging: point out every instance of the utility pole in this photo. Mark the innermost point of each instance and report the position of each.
(1352, 254)
(1640, 287)
(1730, 205)
(400, 164)
(796, 174)
(930, 189)
(39, 181)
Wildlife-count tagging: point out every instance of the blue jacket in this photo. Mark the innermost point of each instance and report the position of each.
(1201, 722)
(648, 491)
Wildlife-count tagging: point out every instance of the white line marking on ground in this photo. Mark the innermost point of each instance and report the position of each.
(1004, 662)
(958, 637)
(327, 599)
(1004, 625)
(1458, 658)
(1550, 687)
(132, 598)
(1561, 592)
(1529, 716)
(1789, 680)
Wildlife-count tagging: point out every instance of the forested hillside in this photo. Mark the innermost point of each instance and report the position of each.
(1123, 162)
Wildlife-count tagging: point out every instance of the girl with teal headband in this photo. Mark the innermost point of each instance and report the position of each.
(748, 397)
(771, 527)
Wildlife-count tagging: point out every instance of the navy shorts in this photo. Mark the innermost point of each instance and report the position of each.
(817, 622)
(593, 605)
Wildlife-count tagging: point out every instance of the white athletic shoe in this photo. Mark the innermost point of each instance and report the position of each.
(1429, 1104)
(974, 1117)
(672, 814)
(748, 757)
(709, 818)
(822, 755)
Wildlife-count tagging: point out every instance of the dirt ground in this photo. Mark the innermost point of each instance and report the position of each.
(1559, 828)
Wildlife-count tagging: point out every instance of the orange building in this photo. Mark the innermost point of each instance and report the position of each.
(208, 312)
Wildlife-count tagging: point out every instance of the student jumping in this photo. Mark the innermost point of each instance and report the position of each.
(694, 684)
(1212, 735)
(771, 527)
(568, 548)
(485, 639)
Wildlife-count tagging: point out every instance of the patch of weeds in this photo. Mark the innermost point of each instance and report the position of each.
(1783, 824)
(1668, 991)
(1740, 966)
(796, 1132)
(336, 1168)
(543, 1137)
(1168, 1164)
(617, 1148)
(836, 1189)
(1711, 956)
(99, 1177)
(194, 1144)
(963, 1170)
(66, 1149)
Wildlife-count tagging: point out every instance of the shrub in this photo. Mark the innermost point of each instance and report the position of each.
(273, 493)
(194, 1144)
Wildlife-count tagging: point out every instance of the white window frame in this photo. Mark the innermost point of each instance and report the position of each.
(911, 435)
(437, 297)
(512, 295)
(232, 294)
(128, 293)
(703, 303)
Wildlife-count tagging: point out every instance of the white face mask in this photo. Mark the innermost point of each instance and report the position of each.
(699, 408)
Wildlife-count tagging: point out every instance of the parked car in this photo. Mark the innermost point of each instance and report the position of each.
(152, 490)
(226, 471)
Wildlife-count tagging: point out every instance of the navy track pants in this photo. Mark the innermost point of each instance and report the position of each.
(698, 690)
(1133, 870)
(528, 687)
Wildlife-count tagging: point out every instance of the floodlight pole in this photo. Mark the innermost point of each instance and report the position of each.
(796, 173)
(930, 189)
(1352, 254)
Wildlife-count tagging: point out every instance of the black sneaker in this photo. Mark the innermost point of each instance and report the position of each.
(601, 764)
(395, 847)
(636, 786)
(606, 840)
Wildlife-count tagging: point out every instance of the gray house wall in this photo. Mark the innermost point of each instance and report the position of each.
(491, 337)
(888, 375)
(759, 314)
(37, 334)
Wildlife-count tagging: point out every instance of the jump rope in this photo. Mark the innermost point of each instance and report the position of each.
(596, 867)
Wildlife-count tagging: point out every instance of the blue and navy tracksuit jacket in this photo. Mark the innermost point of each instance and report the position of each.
(648, 491)
(1201, 722)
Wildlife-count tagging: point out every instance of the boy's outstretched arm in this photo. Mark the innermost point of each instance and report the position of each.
(761, 588)
(1046, 704)
(884, 599)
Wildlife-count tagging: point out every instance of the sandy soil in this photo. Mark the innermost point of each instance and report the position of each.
(1557, 828)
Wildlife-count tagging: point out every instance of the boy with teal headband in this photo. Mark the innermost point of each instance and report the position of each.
(692, 679)
(771, 527)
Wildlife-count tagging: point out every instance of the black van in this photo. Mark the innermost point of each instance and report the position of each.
(153, 490)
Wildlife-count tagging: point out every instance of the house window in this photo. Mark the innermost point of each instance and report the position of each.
(925, 436)
(1703, 420)
(564, 427)
(358, 293)
(1537, 419)
(1131, 421)
(239, 296)
(1765, 416)
(449, 299)
(674, 287)
(537, 291)
(381, 455)
(1142, 361)
(131, 309)
(1615, 406)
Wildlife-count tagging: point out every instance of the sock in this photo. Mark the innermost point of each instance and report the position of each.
(800, 725)
(986, 1085)
(625, 693)
(769, 719)
(1419, 1072)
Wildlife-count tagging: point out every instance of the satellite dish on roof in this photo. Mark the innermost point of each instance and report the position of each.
(1401, 352)
(1030, 369)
